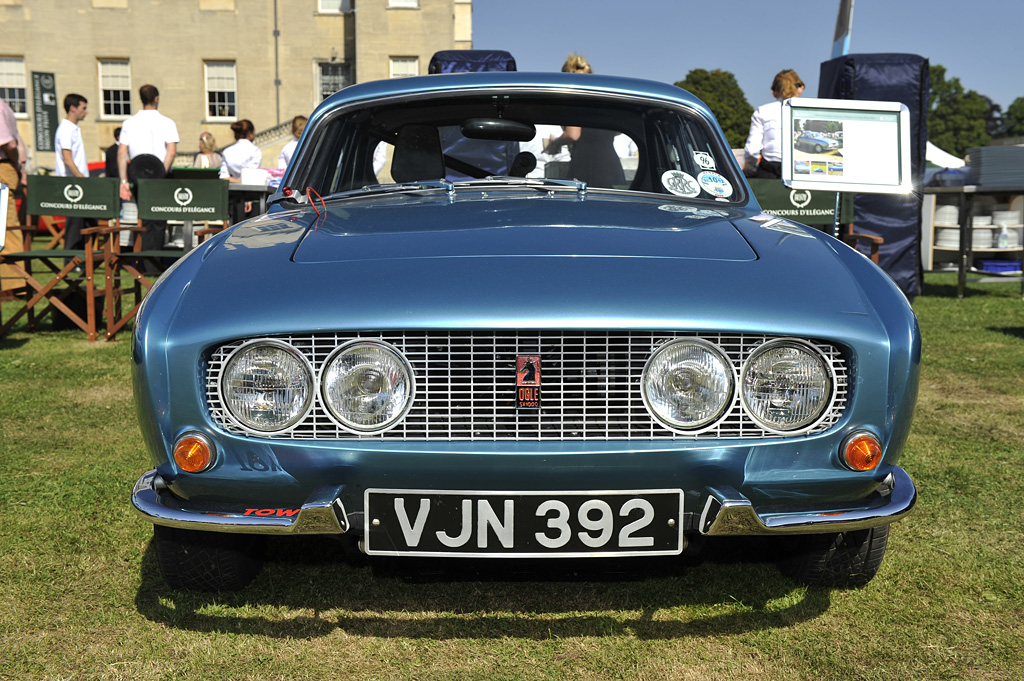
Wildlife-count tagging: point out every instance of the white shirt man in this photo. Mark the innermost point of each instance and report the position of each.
(147, 132)
(71, 160)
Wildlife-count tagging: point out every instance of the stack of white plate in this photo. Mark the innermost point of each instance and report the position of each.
(947, 215)
(1006, 217)
(947, 237)
(981, 238)
(981, 220)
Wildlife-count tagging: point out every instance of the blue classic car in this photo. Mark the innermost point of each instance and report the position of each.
(816, 142)
(628, 362)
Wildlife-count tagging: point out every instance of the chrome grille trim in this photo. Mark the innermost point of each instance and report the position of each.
(471, 375)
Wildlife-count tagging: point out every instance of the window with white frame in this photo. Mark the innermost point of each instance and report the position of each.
(12, 84)
(115, 88)
(332, 77)
(403, 67)
(333, 6)
(221, 90)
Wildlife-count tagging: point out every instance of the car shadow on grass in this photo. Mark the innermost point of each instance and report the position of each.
(309, 589)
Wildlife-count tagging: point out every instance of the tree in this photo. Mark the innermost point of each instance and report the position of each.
(1013, 119)
(956, 119)
(720, 91)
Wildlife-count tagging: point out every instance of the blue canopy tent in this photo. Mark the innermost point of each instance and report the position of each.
(901, 78)
(495, 157)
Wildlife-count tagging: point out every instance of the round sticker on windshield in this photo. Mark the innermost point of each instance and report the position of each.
(680, 184)
(713, 183)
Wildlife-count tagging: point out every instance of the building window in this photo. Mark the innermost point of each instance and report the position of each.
(220, 90)
(404, 3)
(402, 67)
(116, 88)
(334, 6)
(12, 84)
(333, 77)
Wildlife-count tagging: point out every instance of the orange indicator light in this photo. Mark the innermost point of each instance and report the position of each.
(862, 452)
(193, 453)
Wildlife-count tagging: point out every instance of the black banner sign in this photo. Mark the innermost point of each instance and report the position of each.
(801, 205)
(86, 197)
(44, 100)
(183, 199)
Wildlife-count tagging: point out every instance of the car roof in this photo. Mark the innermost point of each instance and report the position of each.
(581, 83)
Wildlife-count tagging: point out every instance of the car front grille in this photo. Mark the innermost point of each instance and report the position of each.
(466, 386)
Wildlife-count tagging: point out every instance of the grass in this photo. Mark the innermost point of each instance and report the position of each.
(81, 596)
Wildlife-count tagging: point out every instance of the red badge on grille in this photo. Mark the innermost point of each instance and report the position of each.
(527, 382)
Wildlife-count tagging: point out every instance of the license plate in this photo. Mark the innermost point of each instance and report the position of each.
(523, 524)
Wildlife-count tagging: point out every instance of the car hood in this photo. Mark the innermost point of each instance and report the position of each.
(536, 227)
(423, 261)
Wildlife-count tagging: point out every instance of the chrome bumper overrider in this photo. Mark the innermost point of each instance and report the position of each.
(727, 512)
(323, 513)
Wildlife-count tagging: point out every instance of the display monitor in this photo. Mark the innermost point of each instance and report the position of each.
(846, 145)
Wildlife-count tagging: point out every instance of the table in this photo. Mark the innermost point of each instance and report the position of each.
(965, 196)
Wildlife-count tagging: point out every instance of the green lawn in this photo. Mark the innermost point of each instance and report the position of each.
(81, 596)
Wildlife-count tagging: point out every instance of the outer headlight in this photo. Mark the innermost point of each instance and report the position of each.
(786, 385)
(267, 386)
(687, 384)
(368, 386)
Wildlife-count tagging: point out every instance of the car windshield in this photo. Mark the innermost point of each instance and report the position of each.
(607, 142)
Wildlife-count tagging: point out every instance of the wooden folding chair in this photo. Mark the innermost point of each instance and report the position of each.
(139, 267)
(71, 273)
(854, 239)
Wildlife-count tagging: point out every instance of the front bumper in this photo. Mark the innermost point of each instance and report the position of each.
(725, 512)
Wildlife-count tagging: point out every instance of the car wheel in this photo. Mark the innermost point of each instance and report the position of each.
(817, 148)
(207, 561)
(844, 559)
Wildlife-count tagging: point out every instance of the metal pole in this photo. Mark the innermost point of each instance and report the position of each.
(835, 226)
(277, 67)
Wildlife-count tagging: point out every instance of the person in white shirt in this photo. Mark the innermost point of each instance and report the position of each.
(298, 125)
(537, 146)
(151, 133)
(242, 154)
(763, 150)
(71, 160)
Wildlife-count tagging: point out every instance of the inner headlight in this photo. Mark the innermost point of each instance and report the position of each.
(786, 385)
(267, 386)
(368, 386)
(687, 384)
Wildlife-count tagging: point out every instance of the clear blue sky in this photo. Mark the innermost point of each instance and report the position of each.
(981, 42)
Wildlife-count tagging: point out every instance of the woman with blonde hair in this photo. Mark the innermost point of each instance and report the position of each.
(207, 156)
(298, 125)
(763, 150)
(593, 160)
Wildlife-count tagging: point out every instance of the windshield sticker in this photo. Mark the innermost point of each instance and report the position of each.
(680, 184)
(713, 183)
(704, 160)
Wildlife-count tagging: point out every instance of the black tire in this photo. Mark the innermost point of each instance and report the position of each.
(817, 148)
(207, 561)
(845, 559)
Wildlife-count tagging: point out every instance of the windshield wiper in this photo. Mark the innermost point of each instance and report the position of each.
(540, 183)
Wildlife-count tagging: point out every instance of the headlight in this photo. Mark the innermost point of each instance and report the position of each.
(687, 384)
(368, 386)
(267, 386)
(786, 385)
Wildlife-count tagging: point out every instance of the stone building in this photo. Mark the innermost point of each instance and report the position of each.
(214, 61)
